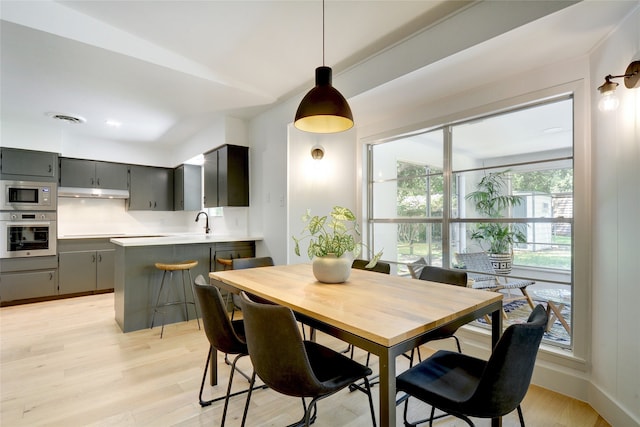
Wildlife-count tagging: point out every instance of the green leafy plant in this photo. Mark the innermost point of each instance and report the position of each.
(335, 233)
(491, 200)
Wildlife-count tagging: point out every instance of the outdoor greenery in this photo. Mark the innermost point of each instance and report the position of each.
(547, 181)
(491, 199)
(420, 195)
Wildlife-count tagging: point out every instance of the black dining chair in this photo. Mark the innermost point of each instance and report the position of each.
(380, 267)
(292, 366)
(241, 264)
(450, 277)
(223, 335)
(253, 262)
(464, 386)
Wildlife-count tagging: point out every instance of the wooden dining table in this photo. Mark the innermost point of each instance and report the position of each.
(386, 315)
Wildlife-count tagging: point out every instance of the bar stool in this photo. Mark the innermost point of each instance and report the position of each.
(226, 263)
(183, 267)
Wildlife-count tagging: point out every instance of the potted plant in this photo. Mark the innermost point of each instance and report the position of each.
(332, 244)
(490, 199)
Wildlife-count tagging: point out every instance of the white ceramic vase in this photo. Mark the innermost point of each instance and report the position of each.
(331, 269)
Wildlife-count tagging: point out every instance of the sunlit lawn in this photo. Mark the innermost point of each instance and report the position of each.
(555, 257)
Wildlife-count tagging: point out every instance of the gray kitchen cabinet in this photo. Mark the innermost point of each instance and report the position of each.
(226, 176)
(28, 278)
(93, 174)
(28, 165)
(27, 285)
(151, 188)
(105, 269)
(85, 265)
(187, 188)
(77, 272)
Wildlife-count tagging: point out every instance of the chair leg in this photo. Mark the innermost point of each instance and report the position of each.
(155, 309)
(204, 377)
(520, 416)
(184, 296)
(228, 395)
(166, 300)
(529, 300)
(193, 296)
(457, 343)
(373, 412)
(246, 405)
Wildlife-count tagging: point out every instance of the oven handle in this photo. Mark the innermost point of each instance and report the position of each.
(28, 223)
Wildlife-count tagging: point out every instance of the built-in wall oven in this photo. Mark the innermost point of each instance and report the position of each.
(28, 195)
(28, 234)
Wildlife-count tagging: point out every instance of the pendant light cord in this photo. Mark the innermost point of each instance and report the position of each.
(323, 33)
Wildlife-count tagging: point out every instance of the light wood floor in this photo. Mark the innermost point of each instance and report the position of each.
(66, 363)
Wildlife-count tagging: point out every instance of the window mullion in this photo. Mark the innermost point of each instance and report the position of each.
(446, 194)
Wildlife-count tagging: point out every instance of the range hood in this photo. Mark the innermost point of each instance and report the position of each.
(93, 193)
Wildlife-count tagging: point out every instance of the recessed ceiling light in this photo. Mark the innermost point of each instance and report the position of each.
(113, 123)
(67, 118)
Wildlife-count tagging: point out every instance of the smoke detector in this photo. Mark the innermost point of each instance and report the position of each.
(67, 118)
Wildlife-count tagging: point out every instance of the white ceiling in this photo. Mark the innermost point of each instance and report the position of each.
(165, 69)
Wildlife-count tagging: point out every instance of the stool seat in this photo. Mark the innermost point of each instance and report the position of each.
(224, 261)
(184, 265)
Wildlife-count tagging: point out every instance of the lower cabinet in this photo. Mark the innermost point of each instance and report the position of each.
(85, 266)
(28, 278)
(86, 271)
(26, 285)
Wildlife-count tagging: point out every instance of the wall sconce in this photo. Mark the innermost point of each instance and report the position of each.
(609, 100)
(317, 152)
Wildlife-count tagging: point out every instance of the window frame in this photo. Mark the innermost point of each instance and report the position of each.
(575, 357)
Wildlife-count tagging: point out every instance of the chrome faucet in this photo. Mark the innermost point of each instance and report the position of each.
(206, 227)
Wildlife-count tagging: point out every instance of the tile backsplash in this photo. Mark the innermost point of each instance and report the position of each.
(85, 216)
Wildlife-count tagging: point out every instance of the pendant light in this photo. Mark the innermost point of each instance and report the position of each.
(323, 109)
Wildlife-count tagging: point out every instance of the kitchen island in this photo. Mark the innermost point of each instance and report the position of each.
(137, 281)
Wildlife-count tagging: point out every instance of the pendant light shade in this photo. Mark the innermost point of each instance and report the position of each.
(323, 109)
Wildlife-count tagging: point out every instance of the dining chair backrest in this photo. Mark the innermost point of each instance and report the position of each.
(242, 263)
(443, 275)
(508, 372)
(380, 267)
(217, 326)
(276, 349)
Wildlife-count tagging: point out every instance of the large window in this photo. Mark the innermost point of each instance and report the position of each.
(468, 186)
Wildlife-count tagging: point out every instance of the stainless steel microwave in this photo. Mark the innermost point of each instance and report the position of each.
(28, 195)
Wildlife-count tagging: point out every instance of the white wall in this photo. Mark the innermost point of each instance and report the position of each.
(615, 375)
(319, 185)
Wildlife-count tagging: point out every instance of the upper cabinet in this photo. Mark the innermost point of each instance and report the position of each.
(226, 176)
(187, 188)
(151, 188)
(27, 165)
(93, 174)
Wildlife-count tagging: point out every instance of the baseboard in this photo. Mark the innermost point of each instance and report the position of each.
(609, 409)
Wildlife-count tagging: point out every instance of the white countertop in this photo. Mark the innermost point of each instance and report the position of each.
(179, 239)
(107, 235)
